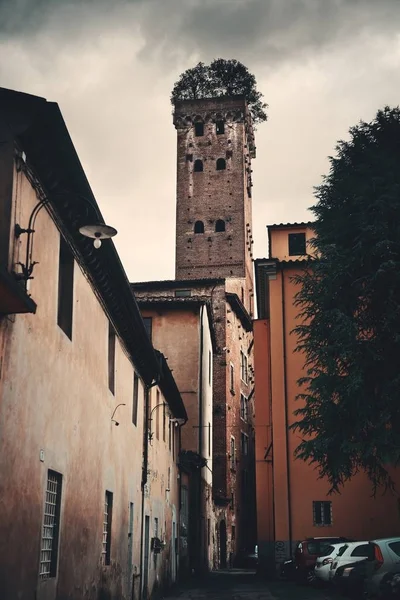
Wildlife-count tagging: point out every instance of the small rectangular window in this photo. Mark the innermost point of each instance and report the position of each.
(233, 454)
(148, 323)
(51, 527)
(199, 129)
(208, 532)
(322, 513)
(135, 399)
(209, 367)
(297, 244)
(233, 533)
(107, 522)
(220, 127)
(243, 407)
(243, 367)
(169, 435)
(65, 288)
(111, 358)
(183, 293)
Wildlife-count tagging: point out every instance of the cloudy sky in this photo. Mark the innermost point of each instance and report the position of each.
(322, 65)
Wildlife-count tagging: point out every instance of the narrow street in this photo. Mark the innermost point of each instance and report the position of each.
(245, 585)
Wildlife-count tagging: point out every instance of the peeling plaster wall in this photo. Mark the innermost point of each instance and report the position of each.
(55, 413)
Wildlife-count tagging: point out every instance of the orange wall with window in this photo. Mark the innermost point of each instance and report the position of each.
(295, 484)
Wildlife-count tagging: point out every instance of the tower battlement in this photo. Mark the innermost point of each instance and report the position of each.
(230, 109)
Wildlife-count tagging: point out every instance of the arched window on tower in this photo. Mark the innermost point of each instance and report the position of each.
(221, 164)
(198, 165)
(220, 225)
(199, 128)
(220, 127)
(199, 227)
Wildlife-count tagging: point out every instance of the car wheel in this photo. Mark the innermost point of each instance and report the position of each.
(310, 577)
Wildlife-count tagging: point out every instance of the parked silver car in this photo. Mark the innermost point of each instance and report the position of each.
(380, 572)
(351, 552)
(323, 564)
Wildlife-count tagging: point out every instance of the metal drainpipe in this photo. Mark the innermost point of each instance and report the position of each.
(289, 501)
(201, 425)
(144, 476)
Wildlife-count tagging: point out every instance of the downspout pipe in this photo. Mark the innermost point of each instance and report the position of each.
(144, 473)
(285, 392)
(200, 443)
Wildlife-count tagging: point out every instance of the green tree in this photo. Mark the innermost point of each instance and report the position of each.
(221, 78)
(349, 311)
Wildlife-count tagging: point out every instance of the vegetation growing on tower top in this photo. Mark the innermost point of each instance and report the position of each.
(221, 78)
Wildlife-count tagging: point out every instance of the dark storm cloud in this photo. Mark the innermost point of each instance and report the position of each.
(263, 30)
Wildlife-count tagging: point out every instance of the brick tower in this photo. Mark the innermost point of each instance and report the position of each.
(213, 224)
(215, 147)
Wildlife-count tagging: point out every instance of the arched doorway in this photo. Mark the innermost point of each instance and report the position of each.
(222, 545)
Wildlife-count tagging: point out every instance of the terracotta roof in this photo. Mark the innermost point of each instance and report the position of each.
(287, 225)
(173, 283)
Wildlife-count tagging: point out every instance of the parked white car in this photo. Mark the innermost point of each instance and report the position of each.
(351, 552)
(386, 563)
(323, 564)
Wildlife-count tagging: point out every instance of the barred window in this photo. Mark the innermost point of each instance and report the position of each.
(107, 520)
(322, 513)
(51, 527)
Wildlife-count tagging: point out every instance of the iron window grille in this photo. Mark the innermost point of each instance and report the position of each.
(51, 527)
(322, 513)
(107, 519)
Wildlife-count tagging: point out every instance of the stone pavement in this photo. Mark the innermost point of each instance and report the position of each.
(245, 585)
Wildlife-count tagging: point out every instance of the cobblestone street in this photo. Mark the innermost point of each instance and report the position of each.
(245, 585)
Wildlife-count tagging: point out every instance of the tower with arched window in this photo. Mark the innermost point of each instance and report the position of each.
(215, 150)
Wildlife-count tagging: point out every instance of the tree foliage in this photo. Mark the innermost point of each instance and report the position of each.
(221, 78)
(349, 304)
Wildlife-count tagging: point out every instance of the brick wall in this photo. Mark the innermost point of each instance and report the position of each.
(211, 195)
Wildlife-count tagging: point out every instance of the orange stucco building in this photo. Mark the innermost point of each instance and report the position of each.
(292, 502)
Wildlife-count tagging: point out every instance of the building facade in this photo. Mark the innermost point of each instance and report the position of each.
(215, 147)
(180, 325)
(82, 490)
(292, 503)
